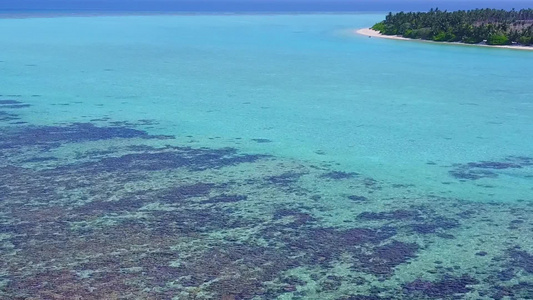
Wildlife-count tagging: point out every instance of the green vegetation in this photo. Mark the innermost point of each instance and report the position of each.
(496, 27)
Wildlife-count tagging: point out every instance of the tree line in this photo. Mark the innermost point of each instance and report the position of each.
(496, 27)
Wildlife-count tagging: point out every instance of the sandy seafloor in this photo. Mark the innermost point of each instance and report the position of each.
(260, 157)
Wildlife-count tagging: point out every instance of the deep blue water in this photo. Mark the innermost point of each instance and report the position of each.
(7, 6)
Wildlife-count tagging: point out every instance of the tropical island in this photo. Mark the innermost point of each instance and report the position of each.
(479, 26)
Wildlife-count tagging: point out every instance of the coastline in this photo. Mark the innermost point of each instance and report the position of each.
(373, 33)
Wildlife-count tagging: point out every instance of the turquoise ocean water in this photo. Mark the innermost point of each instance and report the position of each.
(424, 134)
(305, 82)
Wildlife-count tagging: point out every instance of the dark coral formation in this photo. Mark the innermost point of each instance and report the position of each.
(262, 141)
(172, 158)
(298, 216)
(437, 224)
(385, 258)
(489, 169)
(521, 259)
(399, 214)
(323, 246)
(4, 102)
(286, 179)
(356, 198)
(442, 288)
(6, 117)
(153, 222)
(521, 290)
(141, 122)
(419, 220)
(338, 175)
(47, 137)
(12, 104)
(225, 198)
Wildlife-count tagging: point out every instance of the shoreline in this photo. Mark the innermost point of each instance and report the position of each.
(373, 33)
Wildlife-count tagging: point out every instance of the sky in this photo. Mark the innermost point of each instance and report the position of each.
(7, 6)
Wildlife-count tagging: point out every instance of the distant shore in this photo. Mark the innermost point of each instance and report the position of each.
(373, 33)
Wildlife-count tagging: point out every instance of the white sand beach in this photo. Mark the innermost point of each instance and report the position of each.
(373, 33)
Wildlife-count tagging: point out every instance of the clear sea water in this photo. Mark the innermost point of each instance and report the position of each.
(307, 83)
(453, 124)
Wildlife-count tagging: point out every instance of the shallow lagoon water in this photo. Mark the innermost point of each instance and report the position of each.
(312, 163)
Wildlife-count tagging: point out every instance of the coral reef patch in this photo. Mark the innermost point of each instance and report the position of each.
(107, 210)
(489, 169)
